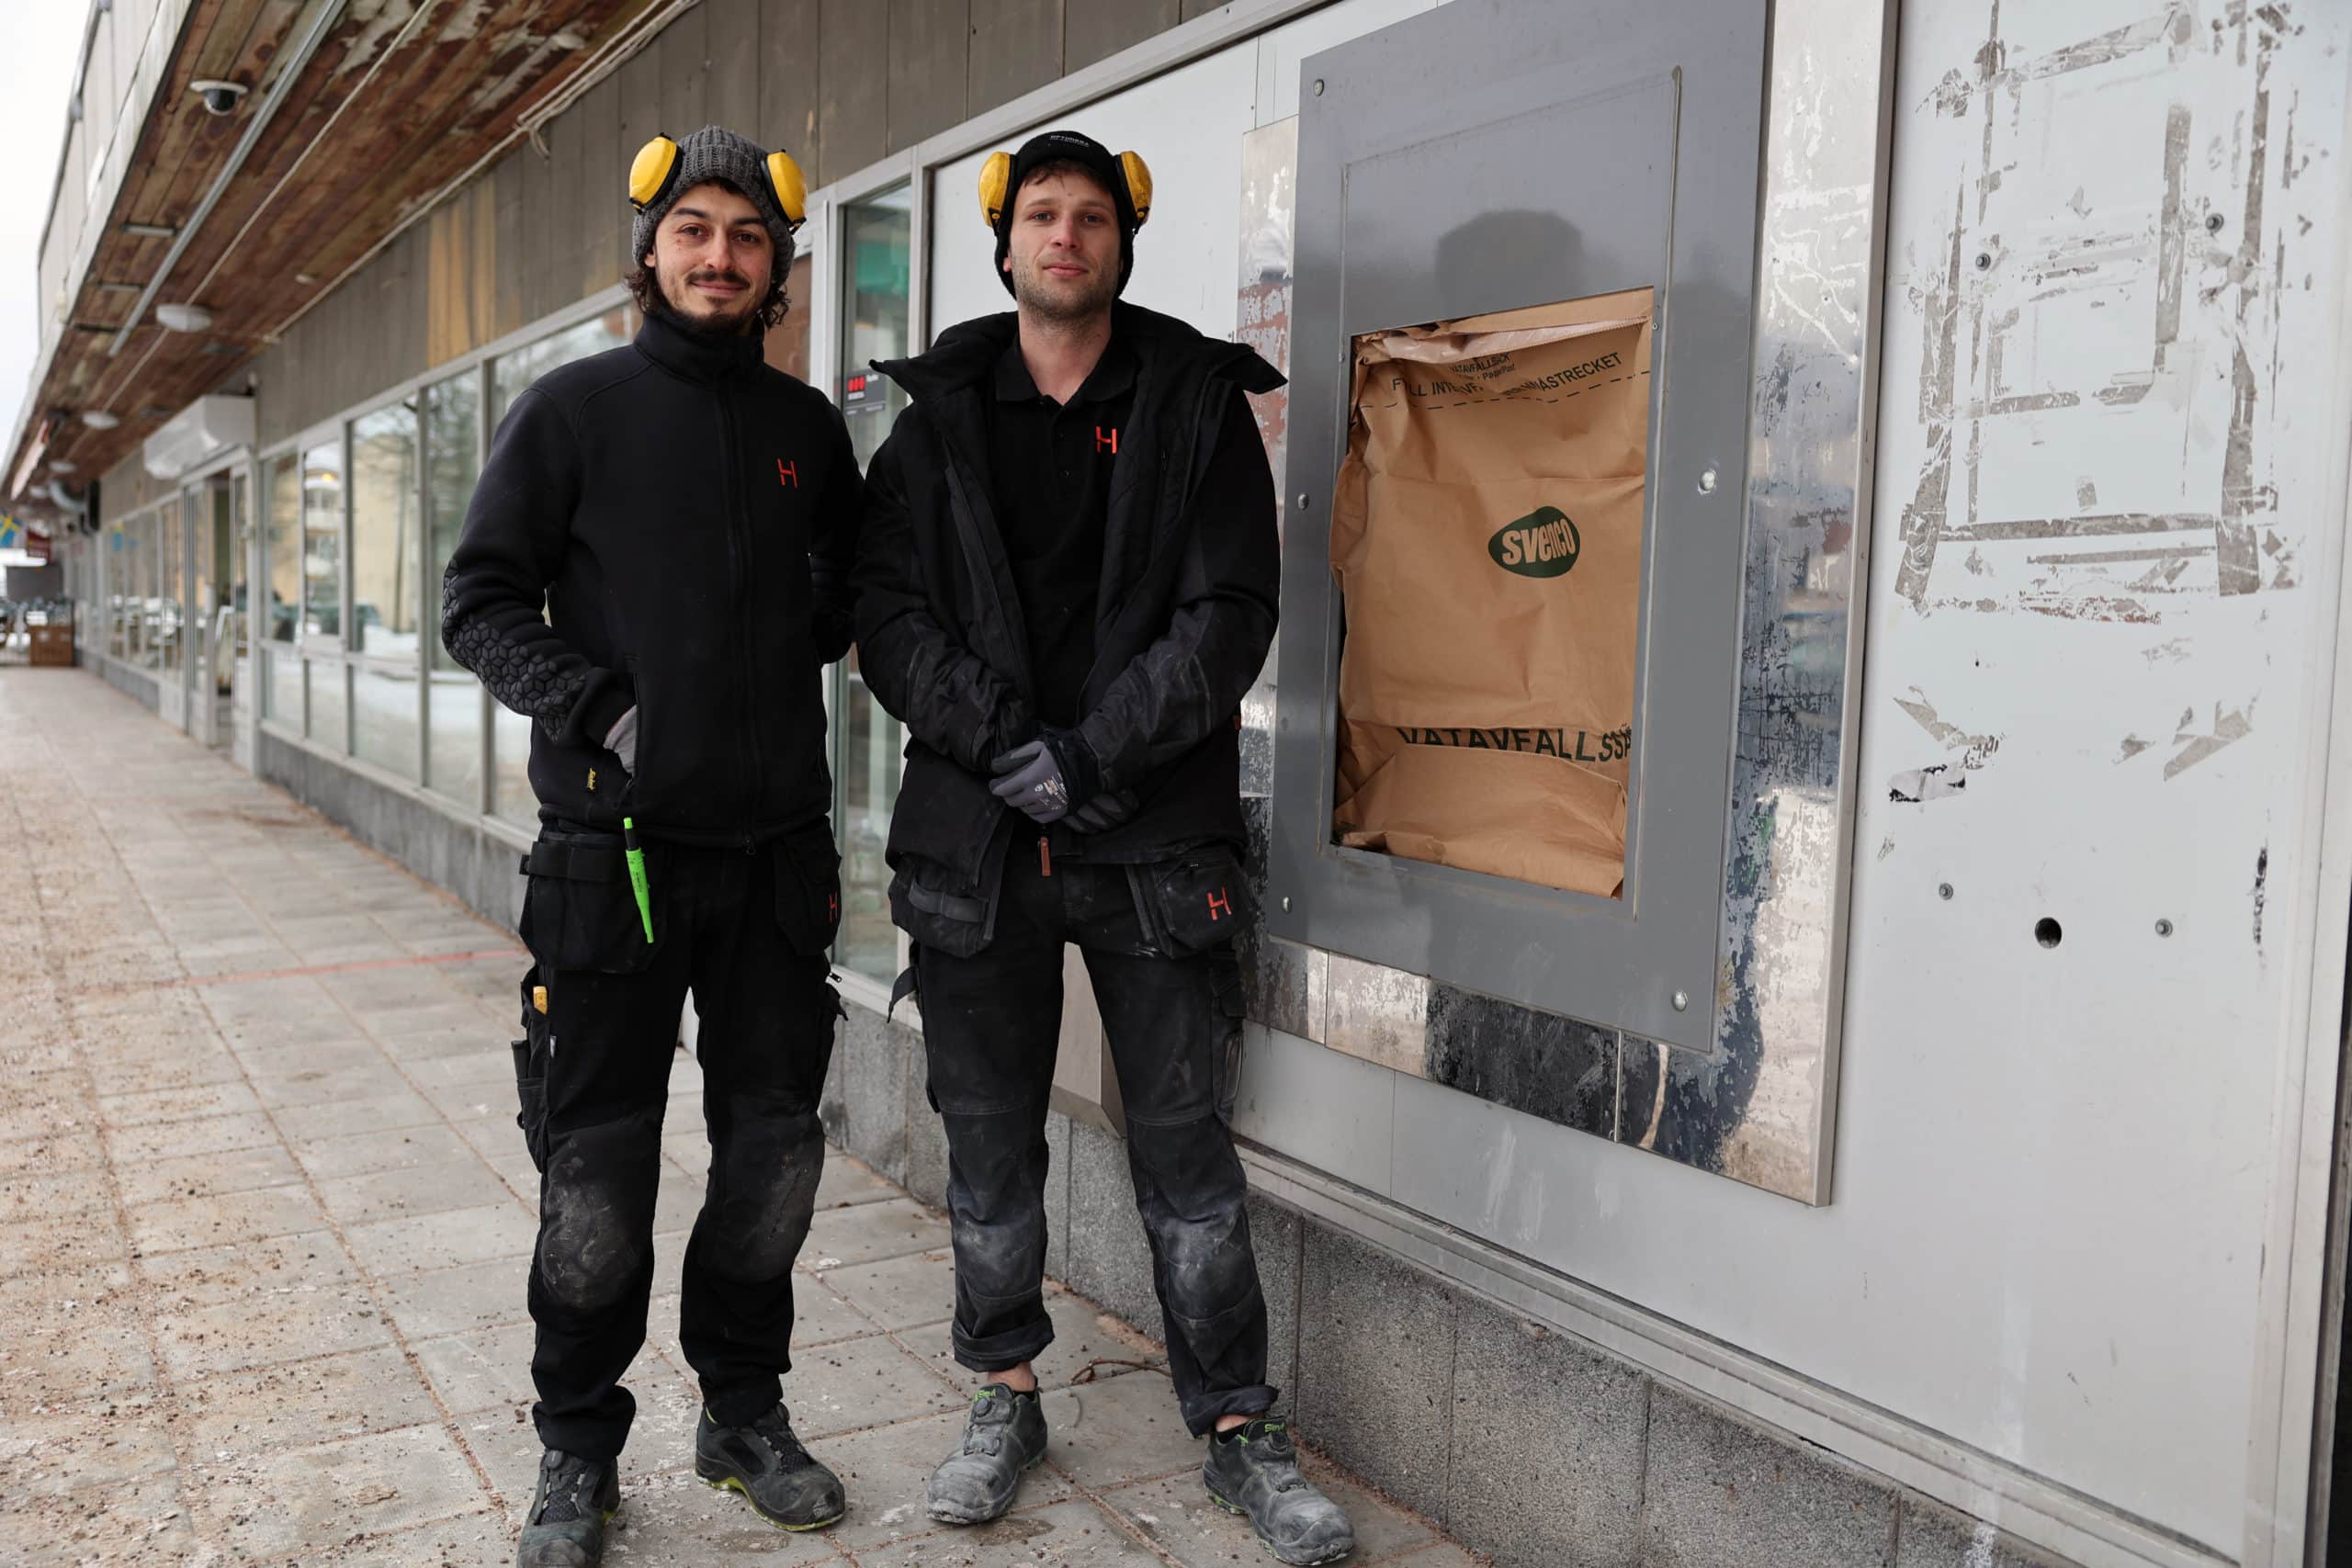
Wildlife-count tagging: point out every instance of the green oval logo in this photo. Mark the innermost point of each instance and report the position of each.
(1545, 543)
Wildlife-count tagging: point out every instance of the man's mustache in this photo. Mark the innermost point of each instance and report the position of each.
(718, 275)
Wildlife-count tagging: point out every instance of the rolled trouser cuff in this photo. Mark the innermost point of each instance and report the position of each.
(1024, 1340)
(1202, 1410)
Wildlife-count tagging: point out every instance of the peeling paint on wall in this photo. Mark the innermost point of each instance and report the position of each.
(2107, 318)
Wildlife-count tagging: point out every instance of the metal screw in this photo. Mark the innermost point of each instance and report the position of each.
(2164, 928)
(1983, 260)
(1285, 903)
(1707, 481)
(1319, 86)
(1944, 890)
(1302, 501)
(2212, 224)
(1681, 1001)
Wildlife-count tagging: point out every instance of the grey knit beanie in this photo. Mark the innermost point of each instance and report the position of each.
(715, 152)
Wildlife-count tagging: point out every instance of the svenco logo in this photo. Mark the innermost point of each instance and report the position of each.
(1543, 544)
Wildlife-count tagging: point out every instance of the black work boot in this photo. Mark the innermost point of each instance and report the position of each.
(1004, 1435)
(766, 1463)
(575, 1499)
(1253, 1470)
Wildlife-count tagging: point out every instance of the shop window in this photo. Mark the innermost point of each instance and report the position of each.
(168, 653)
(874, 237)
(330, 710)
(385, 520)
(322, 544)
(453, 698)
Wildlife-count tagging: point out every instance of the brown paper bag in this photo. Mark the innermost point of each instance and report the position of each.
(1487, 531)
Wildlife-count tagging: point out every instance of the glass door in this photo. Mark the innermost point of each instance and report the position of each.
(874, 325)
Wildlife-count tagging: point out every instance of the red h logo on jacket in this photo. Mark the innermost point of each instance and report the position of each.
(1106, 440)
(787, 474)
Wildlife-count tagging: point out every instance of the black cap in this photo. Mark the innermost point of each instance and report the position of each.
(1053, 147)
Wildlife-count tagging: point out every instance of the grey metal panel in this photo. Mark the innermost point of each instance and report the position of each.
(854, 81)
(506, 177)
(567, 141)
(603, 176)
(1422, 196)
(930, 41)
(788, 60)
(733, 46)
(541, 290)
(1095, 30)
(1016, 45)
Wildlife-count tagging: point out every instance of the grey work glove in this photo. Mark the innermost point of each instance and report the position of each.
(1103, 812)
(1029, 779)
(621, 740)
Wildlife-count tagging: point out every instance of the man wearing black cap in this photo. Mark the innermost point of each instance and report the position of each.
(686, 517)
(1067, 581)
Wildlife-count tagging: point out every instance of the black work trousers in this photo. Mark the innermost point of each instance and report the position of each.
(749, 931)
(990, 1023)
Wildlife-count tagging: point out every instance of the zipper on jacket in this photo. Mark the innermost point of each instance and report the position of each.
(738, 548)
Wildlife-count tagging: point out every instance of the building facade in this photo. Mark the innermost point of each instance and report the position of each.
(1932, 1153)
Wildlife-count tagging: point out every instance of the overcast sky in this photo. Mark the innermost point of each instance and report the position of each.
(39, 40)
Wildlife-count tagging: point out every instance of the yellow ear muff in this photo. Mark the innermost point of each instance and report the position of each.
(649, 172)
(1138, 185)
(791, 187)
(995, 175)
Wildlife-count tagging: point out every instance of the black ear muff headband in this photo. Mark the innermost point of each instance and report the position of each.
(996, 182)
(655, 169)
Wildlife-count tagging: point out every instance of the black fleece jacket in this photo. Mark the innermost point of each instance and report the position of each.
(1185, 612)
(687, 516)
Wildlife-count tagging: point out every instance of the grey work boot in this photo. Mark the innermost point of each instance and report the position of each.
(575, 1499)
(766, 1463)
(1253, 1470)
(1004, 1435)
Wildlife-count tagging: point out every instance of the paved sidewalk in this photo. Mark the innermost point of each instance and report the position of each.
(265, 1219)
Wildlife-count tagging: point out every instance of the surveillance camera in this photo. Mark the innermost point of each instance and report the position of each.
(220, 97)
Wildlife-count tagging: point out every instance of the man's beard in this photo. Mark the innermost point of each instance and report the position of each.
(1043, 297)
(736, 322)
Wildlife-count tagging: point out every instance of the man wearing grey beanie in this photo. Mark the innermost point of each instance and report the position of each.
(655, 568)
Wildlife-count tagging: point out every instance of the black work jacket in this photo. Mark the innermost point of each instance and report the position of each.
(688, 517)
(1183, 618)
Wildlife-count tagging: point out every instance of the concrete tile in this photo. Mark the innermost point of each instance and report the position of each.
(48, 1456)
(78, 1357)
(1108, 1257)
(189, 1222)
(342, 1118)
(31, 1194)
(1176, 1514)
(871, 1231)
(1111, 1433)
(1057, 1137)
(467, 1541)
(325, 1086)
(459, 1301)
(1376, 1365)
(300, 1402)
(1725, 1495)
(1089, 1345)
(1549, 1441)
(413, 1190)
(297, 1501)
(857, 1384)
(1076, 1532)
(899, 1293)
(307, 1261)
(884, 1469)
(846, 1181)
(395, 1148)
(176, 1104)
(486, 1370)
(261, 1330)
(143, 1521)
(1933, 1536)
(206, 1175)
(674, 1517)
(443, 1240)
(172, 1140)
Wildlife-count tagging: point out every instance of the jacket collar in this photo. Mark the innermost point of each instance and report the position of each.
(697, 355)
(1113, 374)
(966, 354)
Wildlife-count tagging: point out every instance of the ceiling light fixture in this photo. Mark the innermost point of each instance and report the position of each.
(150, 231)
(100, 419)
(184, 318)
(61, 465)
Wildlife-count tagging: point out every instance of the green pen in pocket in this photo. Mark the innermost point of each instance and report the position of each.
(636, 855)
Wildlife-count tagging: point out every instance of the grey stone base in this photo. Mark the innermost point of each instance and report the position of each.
(1527, 1444)
(139, 685)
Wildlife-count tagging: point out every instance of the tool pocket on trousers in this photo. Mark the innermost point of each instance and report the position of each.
(531, 1072)
(1228, 1013)
(957, 924)
(1196, 902)
(580, 911)
(808, 889)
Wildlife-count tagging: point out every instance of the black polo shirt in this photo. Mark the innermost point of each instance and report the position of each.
(1050, 467)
